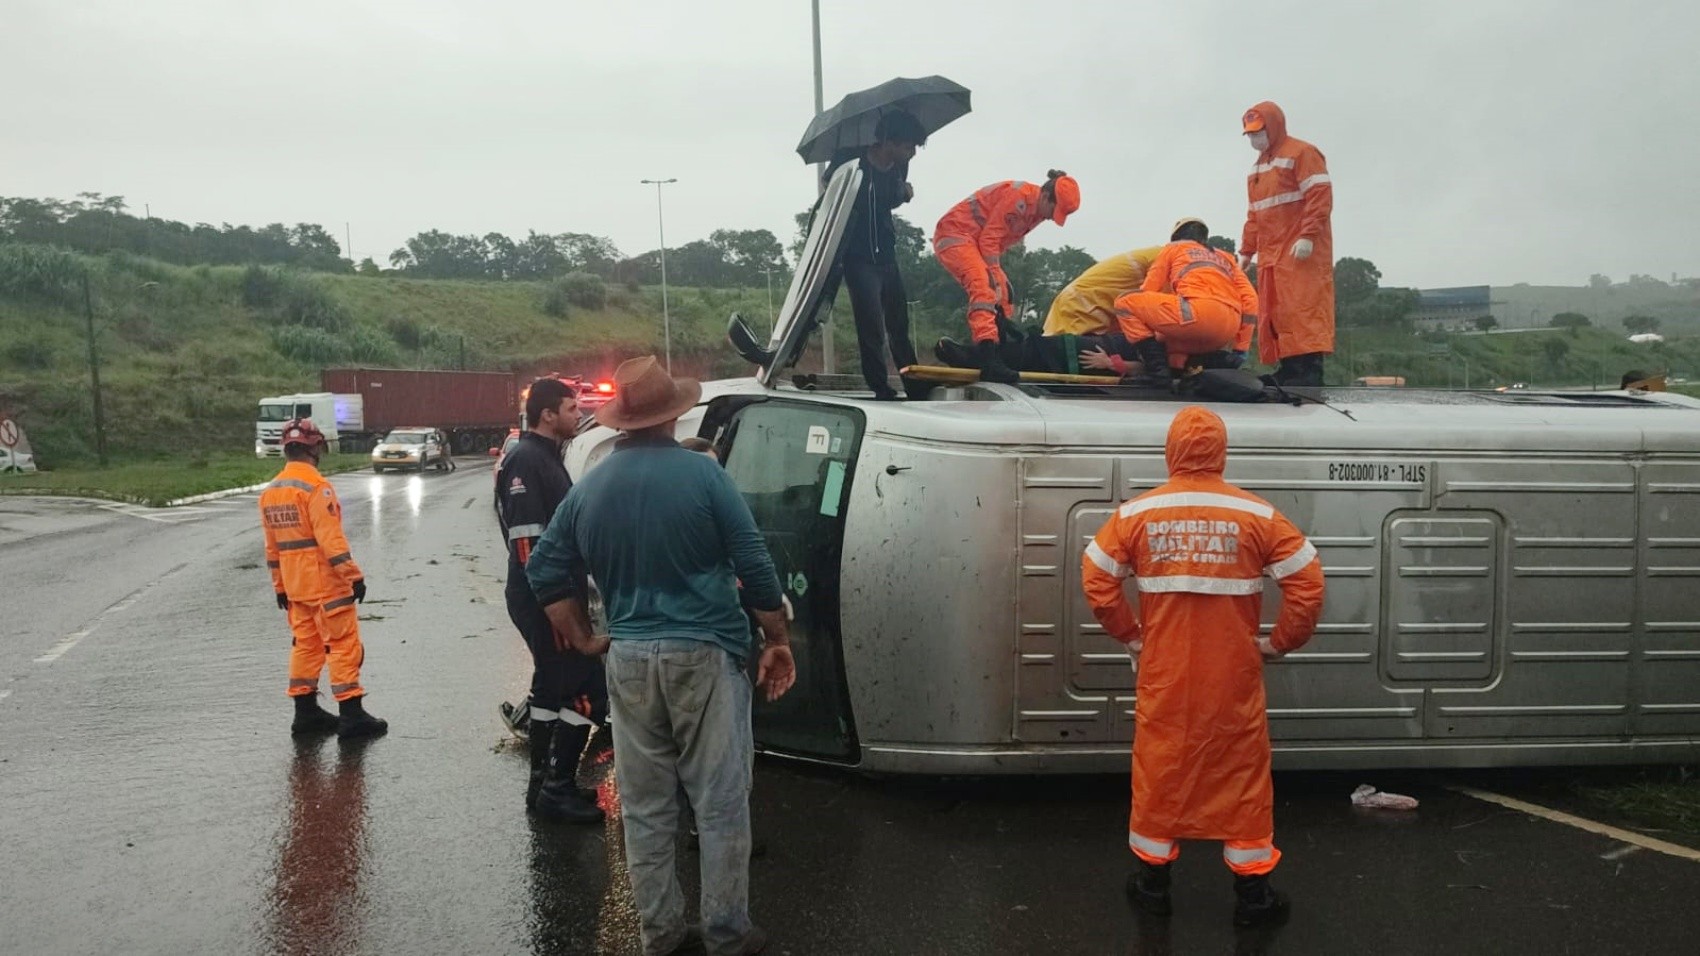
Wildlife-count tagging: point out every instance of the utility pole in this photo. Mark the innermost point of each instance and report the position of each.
(94, 375)
(348, 241)
(826, 349)
(661, 228)
(771, 319)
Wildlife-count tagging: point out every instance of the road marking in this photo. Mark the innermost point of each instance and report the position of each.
(1580, 823)
(1620, 853)
(5, 694)
(71, 640)
(160, 515)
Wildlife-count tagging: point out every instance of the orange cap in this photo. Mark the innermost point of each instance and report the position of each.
(1068, 199)
(1252, 121)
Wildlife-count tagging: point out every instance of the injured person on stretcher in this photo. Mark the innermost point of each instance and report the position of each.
(1195, 308)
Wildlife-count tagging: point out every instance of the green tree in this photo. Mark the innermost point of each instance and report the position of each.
(1355, 280)
(1570, 320)
(1223, 243)
(1636, 324)
(1599, 281)
(1555, 349)
(1485, 323)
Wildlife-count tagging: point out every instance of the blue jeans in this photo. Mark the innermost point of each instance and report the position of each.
(681, 713)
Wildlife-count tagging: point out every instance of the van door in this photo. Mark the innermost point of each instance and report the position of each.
(793, 462)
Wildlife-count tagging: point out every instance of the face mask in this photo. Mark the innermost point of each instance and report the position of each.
(1259, 140)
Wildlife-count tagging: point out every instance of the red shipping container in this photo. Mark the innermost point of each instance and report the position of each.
(398, 398)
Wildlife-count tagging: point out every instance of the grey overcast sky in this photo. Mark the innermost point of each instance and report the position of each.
(1489, 141)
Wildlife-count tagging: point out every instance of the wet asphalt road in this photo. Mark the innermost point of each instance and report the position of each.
(152, 801)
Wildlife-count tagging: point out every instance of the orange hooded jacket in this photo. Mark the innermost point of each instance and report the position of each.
(1290, 197)
(306, 551)
(1198, 548)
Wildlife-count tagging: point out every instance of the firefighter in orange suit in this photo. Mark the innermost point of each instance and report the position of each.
(318, 583)
(1288, 229)
(1194, 300)
(1198, 548)
(973, 236)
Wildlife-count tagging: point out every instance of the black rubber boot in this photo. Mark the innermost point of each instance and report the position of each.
(559, 799)
(540, 742)
(955, 354)
(355, 722)
(991, 364)
(1258, 903)
(1304, 371)
(310, 718)
(1148, 888)
(1154, 356)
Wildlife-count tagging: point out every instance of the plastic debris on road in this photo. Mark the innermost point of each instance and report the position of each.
(1368, 796)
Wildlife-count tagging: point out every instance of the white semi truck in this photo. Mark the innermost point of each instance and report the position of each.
(335, 414)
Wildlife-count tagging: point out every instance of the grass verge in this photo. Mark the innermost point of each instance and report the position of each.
(1665, 798)
(160, 482)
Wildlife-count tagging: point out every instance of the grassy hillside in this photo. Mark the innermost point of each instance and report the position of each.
(186, 351)
(1677, 307)
(1546, 358)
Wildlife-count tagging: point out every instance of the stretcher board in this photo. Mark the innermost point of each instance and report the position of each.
(948, 375)
(795, 321)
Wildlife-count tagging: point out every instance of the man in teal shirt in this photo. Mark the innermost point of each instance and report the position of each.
(667, 537)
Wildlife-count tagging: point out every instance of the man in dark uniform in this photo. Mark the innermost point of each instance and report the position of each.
(569, 695)
(869, 249)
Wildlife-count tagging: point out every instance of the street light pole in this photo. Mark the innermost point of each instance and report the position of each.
(94, 376)
(661, 228)
(771, 319)
(826, 349)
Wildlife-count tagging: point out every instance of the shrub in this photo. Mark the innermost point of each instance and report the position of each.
(309, 346)
(32, 353)
(261, 287)
(585, 290)
(306, 302)
(555, 301)
(41, 272)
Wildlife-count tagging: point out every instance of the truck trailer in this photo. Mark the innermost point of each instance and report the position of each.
(475, 409)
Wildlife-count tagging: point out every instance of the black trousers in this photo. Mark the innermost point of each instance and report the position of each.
(559, 679)
(878, 301)
(1303, 370)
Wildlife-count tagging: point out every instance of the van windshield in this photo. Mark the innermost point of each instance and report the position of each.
(275, 413)
(404, 438)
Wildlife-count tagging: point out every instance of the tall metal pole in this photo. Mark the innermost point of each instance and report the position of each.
(826, 349)
(94, 376)
(661, 228)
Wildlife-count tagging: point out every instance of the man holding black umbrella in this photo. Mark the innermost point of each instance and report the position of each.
(869, 248)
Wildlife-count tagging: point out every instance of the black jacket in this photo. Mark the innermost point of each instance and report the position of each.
(871, 235)
(531, 483)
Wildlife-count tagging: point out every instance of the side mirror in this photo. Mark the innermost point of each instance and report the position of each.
(744, 342)
(494, 452)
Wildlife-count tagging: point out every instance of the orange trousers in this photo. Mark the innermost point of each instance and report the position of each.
(1244, 857)
(1185, 326)
(962, 260)
(321, 634)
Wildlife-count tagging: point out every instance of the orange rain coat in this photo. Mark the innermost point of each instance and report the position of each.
(310, 564)
(1195, 299)
(1197, 548)
(970, 241)
(1291, 198)
(1087, 306)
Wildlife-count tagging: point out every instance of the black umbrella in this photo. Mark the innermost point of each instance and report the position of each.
(932, 100)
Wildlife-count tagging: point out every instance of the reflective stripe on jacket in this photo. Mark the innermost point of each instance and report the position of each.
(306, 552)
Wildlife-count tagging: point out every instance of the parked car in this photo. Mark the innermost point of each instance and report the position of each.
(413, 449)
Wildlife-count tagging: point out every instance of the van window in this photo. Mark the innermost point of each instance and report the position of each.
(793, 462)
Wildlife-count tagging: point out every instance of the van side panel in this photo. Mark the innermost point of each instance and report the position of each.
(1668, 655)
(927, 596)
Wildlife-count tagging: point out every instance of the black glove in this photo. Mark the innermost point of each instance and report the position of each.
(360, 590)
(282, 601)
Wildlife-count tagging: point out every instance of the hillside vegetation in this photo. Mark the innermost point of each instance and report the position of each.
(186, 351)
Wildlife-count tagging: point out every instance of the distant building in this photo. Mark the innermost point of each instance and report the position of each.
(1456, 308)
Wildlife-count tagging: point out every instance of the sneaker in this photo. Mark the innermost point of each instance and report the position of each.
(1148, 889)
(1257, 903)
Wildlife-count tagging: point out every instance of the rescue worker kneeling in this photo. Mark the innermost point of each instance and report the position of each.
(1195, 299)
(1197, 548)
(318, 583)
